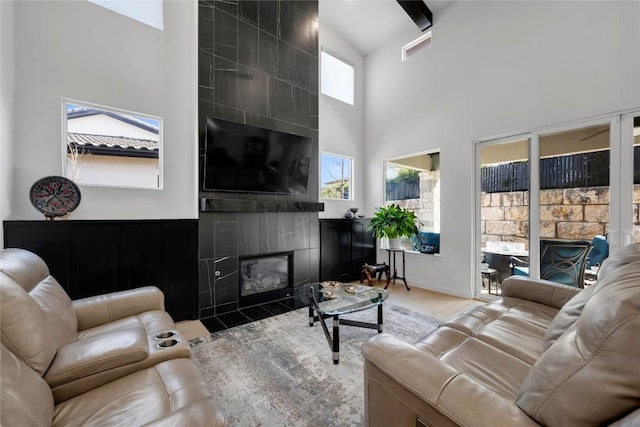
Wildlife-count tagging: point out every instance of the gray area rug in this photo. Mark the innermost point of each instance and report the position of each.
(279, 371)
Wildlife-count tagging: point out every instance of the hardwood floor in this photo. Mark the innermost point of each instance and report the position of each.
(423, 301)
(427, 302)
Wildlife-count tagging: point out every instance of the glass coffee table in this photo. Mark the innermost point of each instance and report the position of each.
(334, 299)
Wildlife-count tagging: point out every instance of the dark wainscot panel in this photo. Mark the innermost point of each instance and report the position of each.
(345, 246)
(96, 257)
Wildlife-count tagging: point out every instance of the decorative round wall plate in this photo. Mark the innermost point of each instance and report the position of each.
(54, 196)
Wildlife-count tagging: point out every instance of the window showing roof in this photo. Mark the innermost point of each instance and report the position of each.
(113, 145)
(110, 133)
(108, 146)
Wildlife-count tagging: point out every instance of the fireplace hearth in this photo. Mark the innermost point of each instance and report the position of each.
(266, 277)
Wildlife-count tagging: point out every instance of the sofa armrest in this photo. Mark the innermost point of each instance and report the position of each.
(101, 309)
(444, 395)
(97, 354)
(203, 413)
(537, 290)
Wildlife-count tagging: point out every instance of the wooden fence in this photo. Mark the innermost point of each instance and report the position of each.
(576, 170)
(403, 190)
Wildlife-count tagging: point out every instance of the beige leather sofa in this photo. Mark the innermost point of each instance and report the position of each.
(543, 354)
(113, 359)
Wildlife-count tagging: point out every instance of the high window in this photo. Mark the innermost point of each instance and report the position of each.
(148, 11)
(336, 78)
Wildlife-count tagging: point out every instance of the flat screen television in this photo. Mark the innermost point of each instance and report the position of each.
(239, 157)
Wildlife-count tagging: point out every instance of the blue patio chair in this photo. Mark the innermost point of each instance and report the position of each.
(561, 261)
(600, 251)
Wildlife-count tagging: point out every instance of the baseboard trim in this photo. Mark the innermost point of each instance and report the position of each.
(440, 287)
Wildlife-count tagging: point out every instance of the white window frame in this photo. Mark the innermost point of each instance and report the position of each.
(160, 172)
(620, 183)
(350, 179)
(405, 240)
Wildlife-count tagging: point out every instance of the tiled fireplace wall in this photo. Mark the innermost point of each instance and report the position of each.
(258, 65)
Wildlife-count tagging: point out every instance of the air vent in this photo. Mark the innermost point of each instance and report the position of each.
(417, 45)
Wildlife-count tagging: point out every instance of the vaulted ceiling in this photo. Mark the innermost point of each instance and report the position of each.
(369, 24)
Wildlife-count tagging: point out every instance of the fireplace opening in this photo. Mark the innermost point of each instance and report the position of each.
(265, 278)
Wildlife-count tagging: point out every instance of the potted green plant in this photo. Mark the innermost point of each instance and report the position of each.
(393, 222)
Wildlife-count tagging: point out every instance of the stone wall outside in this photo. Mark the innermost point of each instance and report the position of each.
(427, 207)
(571, 213)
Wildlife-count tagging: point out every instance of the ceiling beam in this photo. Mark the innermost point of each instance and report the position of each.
(419, 12)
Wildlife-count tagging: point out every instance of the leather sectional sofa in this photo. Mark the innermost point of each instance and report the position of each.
(113, 359)
(543, 354)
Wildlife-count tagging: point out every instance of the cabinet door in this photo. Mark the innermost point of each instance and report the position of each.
(363, 247)
(335, 250)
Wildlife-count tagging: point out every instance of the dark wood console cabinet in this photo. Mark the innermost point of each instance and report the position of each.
(95, 257)
(345, 246)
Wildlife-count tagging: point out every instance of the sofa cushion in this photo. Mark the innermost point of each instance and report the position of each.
(25, 399)
(512, 325)
(58, 309)
(102, 309)
(626, 255)
(127, 360)
(23, 267)
(37, 314)
(571, 311)
(138, 398)
(566, 317)
(591, 375)
(25, 329)
(491, 367)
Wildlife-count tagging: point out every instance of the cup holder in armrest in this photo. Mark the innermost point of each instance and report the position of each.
(168, 343)
(165, 335)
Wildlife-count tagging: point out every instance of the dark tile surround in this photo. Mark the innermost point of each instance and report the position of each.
(258, 65)
(250, 314)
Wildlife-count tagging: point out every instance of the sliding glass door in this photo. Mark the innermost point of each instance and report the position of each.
(574, 204)
(633, 121)
(573, 184)
(503, 189)
(630, 136)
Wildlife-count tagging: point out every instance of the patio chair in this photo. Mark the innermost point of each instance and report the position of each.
(561, 261)
(600, 251)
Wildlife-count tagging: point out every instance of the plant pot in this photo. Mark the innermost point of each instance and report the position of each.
(395, 243)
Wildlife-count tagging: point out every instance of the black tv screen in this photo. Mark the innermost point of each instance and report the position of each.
(240, 157)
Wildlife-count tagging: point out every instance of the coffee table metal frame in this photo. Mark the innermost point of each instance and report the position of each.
(316, 313)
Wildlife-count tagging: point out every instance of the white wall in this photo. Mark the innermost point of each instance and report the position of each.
(6, 110)
(79, 50)
(122, 171)
(342, 125)
(493, 68)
